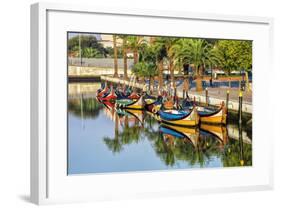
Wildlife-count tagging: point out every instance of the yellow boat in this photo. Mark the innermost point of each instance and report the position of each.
(130, 104)
(179, 117)
(216, 117)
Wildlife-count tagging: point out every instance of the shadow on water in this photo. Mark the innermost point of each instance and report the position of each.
(175, 147)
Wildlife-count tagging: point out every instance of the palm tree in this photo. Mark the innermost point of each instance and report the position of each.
(89, 52)
(197, 52)
(146, 67)
(160, 52)
(135, 43)
(168, 45)
(115, 57)
(124, 50)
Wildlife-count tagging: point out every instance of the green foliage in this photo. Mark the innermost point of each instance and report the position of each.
(136, 42)
(90, 52)
(145, 69)
(234, 54)
(147, 66)
(86, 42)
(195, 51)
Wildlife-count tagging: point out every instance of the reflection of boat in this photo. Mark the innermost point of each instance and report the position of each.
(138, 114)
(180, 117)
(130, 104)
(108, 105)
(191, 134)
(218, 131)
(109, 109)
(132, 115)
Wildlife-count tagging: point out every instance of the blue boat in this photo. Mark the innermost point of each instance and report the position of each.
(180, 117)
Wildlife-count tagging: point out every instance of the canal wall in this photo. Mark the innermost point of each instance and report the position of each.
(100, 62)
(232, 104)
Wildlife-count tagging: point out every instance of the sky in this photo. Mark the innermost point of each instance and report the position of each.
(73, 34)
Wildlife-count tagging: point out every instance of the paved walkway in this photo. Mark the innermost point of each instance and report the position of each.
(221, 92)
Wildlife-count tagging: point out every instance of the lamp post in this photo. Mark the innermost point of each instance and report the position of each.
(80, 51)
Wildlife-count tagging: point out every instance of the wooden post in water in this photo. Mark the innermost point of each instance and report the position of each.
(241, 148)
(227, 100)
(240, 107)
(206, 93)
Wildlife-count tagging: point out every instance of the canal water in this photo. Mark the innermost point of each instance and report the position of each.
(103, 140)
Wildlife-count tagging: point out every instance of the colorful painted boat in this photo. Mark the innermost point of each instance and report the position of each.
(110, 96)
(180, 117)
(207, 114)
(153, 105)
(134, 96)
(218, 116)
(168, 105)
(130, 104)
(102, 92)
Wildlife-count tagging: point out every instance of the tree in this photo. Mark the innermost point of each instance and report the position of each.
(135, 43)
(235, 55)
(87, 41)
(160, 53)
(197, 52)
(147, 66)
(124, 51)
(90, 52)
(115, 57)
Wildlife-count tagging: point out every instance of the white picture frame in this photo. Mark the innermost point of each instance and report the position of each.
(50, 184)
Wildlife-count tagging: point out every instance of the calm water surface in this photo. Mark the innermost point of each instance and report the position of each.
(102, 140)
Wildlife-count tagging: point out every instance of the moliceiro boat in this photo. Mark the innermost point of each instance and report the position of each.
(102, 91)
(207, 114)
(180, 117)
(213, 116)
(110, 96)
(153, 105)
(130, 104)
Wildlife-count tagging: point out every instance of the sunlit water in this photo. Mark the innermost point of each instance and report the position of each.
(101, 140)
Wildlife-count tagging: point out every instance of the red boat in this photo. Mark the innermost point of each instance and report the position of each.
(110, 97)
(102, 92)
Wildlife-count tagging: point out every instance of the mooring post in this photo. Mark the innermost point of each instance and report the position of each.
(227, 99)
(206, 91)
(240, 107)
(241, 148)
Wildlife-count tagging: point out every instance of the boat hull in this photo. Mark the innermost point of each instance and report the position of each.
(217, 117)
(188, 119)
(138, 104)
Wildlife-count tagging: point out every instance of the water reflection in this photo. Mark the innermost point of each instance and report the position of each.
(113, 140)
